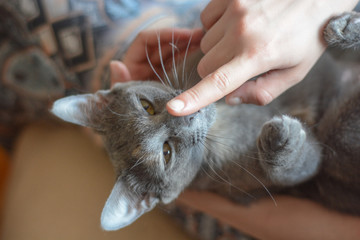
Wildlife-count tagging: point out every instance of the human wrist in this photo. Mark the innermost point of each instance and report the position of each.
(323, 10)
(334, 7)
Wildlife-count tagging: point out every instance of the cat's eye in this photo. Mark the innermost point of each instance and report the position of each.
(147, 106)
(167, 152)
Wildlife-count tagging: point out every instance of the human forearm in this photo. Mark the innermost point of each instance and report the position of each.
(292, 218)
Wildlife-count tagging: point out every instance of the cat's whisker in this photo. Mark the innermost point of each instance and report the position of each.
(222, 178)
(141, 160)
(151, 65)
(172, 44)
(178, 68)
(253, 157)
(173, 48)
(230, 184)
(214, 139)
(162, 62)
(124, 117)
(220, 134)
(115, 113)
(258, 180)
(248, 172)
(184, 61)
(217, 140)
(192, 72)
(327, 147)
(209, 150)
(228, 179)
(209, 175)
(164, 209)
(214, 179)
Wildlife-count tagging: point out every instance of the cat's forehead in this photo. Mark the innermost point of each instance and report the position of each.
(148, 89)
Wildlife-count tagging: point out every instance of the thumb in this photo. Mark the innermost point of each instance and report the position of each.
(119, 72)
(212, 88)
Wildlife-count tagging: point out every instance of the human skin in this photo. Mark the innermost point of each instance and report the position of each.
(145, 50)
(291, 218)
(279, 41)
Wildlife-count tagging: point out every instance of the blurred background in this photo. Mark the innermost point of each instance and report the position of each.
(54, 179)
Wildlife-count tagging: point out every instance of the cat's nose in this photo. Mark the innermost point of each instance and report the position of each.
(183, 121)
(190, 118)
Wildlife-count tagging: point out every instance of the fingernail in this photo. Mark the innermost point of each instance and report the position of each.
(234, 101)
(267, 97)
(176, 105)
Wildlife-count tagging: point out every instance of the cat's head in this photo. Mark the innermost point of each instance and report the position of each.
(155, 154)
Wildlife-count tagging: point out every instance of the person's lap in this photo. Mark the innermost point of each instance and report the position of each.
(59, 184)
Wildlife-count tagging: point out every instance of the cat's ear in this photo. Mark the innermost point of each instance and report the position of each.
(124, 206)
(81, 109)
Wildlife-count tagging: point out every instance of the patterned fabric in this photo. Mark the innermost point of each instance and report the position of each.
(202, 226)
(53, 48)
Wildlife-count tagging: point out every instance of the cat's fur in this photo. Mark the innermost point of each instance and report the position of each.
(306, 142)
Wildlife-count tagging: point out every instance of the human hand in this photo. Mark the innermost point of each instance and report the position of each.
(145, 48)
(278, 40)
(292, 218)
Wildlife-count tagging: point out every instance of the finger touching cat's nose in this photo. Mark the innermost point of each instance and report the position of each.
(212, 88)
(189, 119)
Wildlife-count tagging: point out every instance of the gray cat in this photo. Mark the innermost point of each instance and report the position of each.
(305, 143)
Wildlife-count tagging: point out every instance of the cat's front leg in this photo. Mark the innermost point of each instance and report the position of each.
(343, 30)
(287, 152)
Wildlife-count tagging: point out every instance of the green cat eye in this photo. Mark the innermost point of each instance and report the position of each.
(167, 152)
(147, 106)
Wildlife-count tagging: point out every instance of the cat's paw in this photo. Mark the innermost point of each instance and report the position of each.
(343, 30)
(288, 153)
(280, 138)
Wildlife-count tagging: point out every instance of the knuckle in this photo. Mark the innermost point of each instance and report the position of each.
(193, 95)
(240, 28)
(294, 80)
(244, 28)
(263, 97)
(201, 69)
(264, 55)
(247, 24)
(203, 46)
(298, 77)
(237, 5)
(204, 19)
(221, 81)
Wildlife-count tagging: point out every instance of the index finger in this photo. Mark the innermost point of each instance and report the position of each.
(213, 87)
